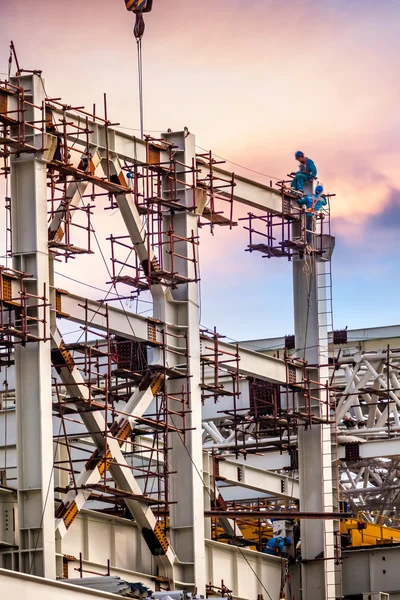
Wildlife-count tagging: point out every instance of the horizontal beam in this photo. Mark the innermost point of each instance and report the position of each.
(120, 144)
(254, 364)
(15, 585)
(136, 327)
(230, 471)
(133, 149)
(268, 461)
(122, 322)
(247, 192)
(374, 449)
(234, 493)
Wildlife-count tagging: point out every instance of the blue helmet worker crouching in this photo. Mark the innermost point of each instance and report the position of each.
(312, 204)
(307, 172)
(276, 546)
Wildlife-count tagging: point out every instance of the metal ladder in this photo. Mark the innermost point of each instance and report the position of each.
(331, 499)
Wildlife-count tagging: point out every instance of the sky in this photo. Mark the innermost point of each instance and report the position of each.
(254, 81)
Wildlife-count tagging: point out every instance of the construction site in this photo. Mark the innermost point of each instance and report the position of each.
(142, 455)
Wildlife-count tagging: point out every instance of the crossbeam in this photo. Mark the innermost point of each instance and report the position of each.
(229, 471)
(133, 149)
(247, 192)
(142, 329)
(389, 448)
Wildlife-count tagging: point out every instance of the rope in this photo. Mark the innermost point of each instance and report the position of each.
(140, 72)
(138, 32)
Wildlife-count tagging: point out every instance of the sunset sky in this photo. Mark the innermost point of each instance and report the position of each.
(254, 80)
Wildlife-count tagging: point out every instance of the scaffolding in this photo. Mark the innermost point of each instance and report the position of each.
(112, 369)
(219, 369)
(217, 205)
(20, 311)
(119, 403)
(275, 413)
(292, 233)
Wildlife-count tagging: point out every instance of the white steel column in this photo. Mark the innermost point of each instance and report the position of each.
(181, 306)
(315, 450)
(33, 362)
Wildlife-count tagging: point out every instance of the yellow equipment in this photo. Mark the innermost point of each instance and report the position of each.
(361, 533)
(246, 529)
(358, 533)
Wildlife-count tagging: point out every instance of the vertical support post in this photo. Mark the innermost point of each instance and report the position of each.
(182, 307)
(315, 446)
(33, 361)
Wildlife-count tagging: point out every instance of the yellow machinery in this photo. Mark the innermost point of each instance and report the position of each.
(358, 533)
(361, 533)
(250, 531)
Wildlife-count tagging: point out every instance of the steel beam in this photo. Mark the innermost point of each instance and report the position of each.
(253, 364)
(75, 191)
(230, 471)
(93, 471)
(389, 448)
(133, 326)
(122, 322)
(133, 149)
(269, 461)
(250, 193)
(133, 222)
(111, 458)
(119, 144)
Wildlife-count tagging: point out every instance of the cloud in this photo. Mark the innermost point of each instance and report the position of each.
(254, 81)
(390, 217)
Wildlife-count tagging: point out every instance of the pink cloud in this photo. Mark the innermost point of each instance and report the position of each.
(255, 83)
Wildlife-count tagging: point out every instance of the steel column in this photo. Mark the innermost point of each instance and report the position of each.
(181, 306)
(315, 452)
(33, 362)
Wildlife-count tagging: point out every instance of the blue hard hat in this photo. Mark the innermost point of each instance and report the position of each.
(298, 154)
(319, 189)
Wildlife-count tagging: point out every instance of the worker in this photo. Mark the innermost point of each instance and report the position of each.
(307, 172)
(312, 204)
(276, 546)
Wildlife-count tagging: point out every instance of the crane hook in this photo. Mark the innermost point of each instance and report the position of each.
(139, 28)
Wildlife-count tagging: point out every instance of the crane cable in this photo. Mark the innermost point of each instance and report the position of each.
(138, 31)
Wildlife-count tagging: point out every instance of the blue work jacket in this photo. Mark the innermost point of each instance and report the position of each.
(309, 168)
(312, 202)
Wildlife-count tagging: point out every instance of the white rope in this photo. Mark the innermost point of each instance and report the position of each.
(140, 72)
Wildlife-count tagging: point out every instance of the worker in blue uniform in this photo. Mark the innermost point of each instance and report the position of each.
(307, 172)
(312, 204)
(276, 546)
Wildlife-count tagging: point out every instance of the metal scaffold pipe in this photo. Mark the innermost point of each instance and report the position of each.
(260, 514)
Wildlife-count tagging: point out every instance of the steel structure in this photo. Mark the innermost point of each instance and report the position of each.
(366, 389)
(132, 419)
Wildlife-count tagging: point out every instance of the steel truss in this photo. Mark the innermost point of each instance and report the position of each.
(367, 397)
